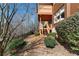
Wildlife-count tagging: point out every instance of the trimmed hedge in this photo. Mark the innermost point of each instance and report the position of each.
(50, 42)
(68, 30)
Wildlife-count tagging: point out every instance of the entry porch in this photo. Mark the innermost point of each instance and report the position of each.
(45, 24)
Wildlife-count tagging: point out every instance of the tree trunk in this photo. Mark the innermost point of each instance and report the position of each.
(1, 50)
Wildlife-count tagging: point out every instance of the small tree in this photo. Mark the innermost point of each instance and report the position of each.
(7, 13)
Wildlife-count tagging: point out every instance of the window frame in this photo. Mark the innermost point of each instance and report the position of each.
(58, 14)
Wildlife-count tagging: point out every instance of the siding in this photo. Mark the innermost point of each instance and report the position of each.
(57, 6)
(74, 8)
(45, 9)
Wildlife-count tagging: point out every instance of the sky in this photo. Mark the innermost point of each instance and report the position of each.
(23, 7)
(31, 13)
(22, 10)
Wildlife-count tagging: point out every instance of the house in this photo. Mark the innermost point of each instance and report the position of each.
(52, 13)
(45, 17)
(62, 11)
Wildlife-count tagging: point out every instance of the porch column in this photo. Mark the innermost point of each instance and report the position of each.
(48, 29)
(68, 9)
(40, 27)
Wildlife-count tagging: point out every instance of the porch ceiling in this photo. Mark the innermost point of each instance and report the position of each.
(45, 17)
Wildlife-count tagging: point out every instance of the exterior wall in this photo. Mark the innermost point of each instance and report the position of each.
(45, 9)
(57, 6)
(52, 9)
(67, 10)
(68, 7)
(71, 8)
(45, 15)
(74, 8)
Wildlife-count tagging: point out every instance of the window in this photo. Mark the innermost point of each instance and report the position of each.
(62, 15)
(59, 15)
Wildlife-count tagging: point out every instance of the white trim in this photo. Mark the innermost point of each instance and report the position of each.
(59, 14)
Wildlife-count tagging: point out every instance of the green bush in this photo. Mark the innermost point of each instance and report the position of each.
(37, 33)
(14, 45)
(68, 30)
(52, 34)
(50, 42)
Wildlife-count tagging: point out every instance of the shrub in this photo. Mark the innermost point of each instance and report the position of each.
(14, 45)
(50, 42)
(37, 33)
(68, 30)
(52, 34)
